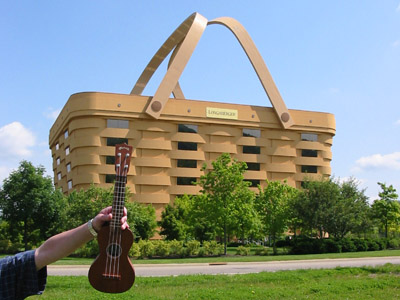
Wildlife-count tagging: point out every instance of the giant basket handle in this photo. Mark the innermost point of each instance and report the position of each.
(170, 83)
(184, 39)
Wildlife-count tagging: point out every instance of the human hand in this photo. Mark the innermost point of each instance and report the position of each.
(105, 215)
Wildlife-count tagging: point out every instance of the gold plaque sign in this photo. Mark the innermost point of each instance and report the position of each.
(221, 113)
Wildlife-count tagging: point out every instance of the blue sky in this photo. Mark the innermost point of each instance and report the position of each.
(341, 57)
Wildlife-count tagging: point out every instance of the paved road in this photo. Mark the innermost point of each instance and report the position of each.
(233, 268)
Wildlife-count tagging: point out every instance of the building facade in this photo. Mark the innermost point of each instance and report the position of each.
(170, 151)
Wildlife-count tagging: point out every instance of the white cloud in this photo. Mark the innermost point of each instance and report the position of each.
(378, 161)
(15, 141)
(396, 43)
(398, 8)
(52, 113)
(397, 122)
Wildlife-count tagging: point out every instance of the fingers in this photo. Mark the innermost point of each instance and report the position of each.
(106, 211)
(100, 219)
(105, 215)
(124, 223)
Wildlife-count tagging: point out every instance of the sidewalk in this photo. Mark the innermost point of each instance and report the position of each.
(146, 270)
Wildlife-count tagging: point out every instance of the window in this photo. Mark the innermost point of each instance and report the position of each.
(70, 184)
(116, 141)
(67, 151)
(110, 178)
(252, 149)
(113, 123)
(57, 146)
(311, 137)
(253, 166)
(187, 163)
(309, 153)
(110, 160)
(253, 182)
(68, 167)
(185, 180)
(58, 161)
(59, 176)
(187, 128)
(66, 134)
(188, 146)
(252, 132)
(309, 169)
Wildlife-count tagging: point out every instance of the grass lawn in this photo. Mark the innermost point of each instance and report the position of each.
(234, 258)
(340, 283)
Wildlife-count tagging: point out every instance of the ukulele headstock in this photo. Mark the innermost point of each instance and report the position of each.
(123, 153)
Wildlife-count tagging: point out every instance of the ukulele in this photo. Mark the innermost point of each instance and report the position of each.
(112, 271)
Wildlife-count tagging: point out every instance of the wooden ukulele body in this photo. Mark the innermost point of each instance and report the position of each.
(112, 271)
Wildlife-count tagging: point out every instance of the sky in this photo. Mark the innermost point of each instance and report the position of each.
(341, 57)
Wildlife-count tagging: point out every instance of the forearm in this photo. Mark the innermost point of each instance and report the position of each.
(61, 245)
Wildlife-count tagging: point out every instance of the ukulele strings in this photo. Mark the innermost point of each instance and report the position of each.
(114, 241)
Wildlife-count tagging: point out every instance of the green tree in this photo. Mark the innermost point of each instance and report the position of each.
(273, 205)
(30, 204)
(200, 226)
(173, 220)
(350, 212)
(386, 209)
(314, 202)
(226, 193)
(332, 207)
(142, 220)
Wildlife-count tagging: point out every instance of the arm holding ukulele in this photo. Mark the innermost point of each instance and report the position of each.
(65, 243)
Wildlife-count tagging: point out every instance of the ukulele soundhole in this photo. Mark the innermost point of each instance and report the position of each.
(114, 250)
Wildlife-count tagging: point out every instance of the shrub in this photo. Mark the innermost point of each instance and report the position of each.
(393, 243)
(146, 248)
(4, 246)
(176, 248)
(361, 244)
(382, 243)
(264, 251)
(192, 248)
(134, 251)
(331, 246)
(372, 245)
(348, 245)
(15, 247)
(161, 248)
(90, 249)
(243, 250)
(212, 248)
(306, 245)
(287, 242)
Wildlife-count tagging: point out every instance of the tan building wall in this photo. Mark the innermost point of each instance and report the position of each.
(80, 139)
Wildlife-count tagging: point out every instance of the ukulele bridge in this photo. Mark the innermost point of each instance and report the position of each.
(112, 276)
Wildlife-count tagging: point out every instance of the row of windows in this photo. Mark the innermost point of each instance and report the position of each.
(191, 163)
(192, 180)
(256, 133)
(190, 128)
(183, 180)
